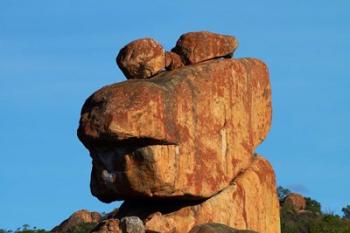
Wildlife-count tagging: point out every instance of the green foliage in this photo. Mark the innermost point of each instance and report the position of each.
(82, 228)
(294, 222)
(282, 192)
(25, 229)
(312, 205)
(346, 211)
(312, 220)
(330, 224)
(32, 231)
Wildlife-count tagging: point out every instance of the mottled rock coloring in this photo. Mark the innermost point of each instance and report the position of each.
(216, 228)
(173, 61)
(132, 224)
(250, 202)
(187, 132)
(108, 226)
(177, 140)
(195, 47)
(141, 59)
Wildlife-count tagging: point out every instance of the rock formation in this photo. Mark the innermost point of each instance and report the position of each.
(177, 141)
(295, 201)
(216, 228)
(195, 47)
(141, 59)
(108, 226)
(78, 217)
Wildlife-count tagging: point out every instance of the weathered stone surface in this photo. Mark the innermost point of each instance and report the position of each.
(81, 216)
(141, 59)
(172, 61)
(295, 201)
(183, 134)
(196, 47)
(108, 226)
(132, 224)
(250, 202)
(216, 228)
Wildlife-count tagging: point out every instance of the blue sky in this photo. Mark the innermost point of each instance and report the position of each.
(54, 54)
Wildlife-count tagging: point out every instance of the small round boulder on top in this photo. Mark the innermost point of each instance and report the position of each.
(195, 47)
(141, 59)
(296, 201)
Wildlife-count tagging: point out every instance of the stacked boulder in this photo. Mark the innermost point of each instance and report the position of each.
(176, 142)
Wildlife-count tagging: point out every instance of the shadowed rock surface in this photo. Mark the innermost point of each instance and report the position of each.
(108, 226)
(216, 228)
(173, 61)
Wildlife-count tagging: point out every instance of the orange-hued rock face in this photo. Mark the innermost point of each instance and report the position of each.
(183, 134)
(108, 226)
(78, 217)
(195, 47)
(295, 201)
(216, 228)
(141, 59)
(250, 202)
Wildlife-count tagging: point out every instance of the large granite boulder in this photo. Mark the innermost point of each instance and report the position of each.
(249, 202)
(177, 144)
(186, 132)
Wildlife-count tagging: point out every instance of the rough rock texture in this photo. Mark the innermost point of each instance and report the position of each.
(216, 228)
(141, 59)
(196, 47)
(81, 216)
(250, 202)
(295, 200)
(178, 146)
(108, 226)
(132, 224)
(173, 61)
(186, 132)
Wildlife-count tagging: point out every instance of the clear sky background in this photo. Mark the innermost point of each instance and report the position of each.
(54, 54)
